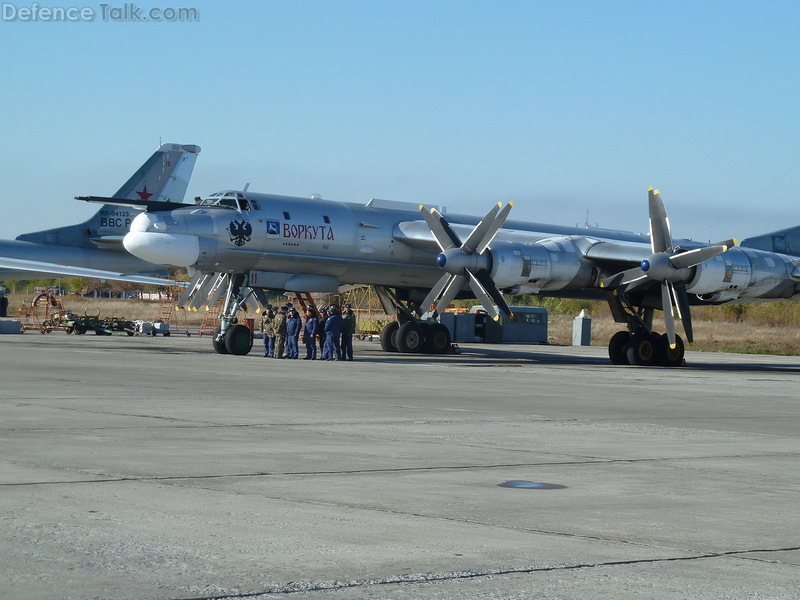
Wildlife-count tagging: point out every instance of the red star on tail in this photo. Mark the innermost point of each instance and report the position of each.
(144, 194)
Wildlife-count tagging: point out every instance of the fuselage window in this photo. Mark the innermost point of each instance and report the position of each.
(287, 216)
(243, 205)
(326, 219)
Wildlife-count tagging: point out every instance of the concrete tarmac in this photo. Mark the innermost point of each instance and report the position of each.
(152, 468)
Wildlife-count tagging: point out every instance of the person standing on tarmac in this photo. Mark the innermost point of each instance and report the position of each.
(333, 331)
(267, 331)
(293, 328)
(279, 327)
(310, 334)
(348, 329)
(3, 304)
(321, 333)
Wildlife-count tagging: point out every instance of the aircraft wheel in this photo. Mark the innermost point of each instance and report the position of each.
(643, 349)
(671, 357)
(617, 348)
(238, 340)
(389, 337)
(409, 338)
(219, 347)
(437, 339)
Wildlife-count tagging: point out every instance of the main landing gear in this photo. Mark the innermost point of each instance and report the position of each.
(645, 349)
(414, 337)
(640, 345)
(408, 334)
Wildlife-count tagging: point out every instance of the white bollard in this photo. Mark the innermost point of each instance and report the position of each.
(582, 330)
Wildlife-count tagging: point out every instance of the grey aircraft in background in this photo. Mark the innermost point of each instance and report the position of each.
(94, 248)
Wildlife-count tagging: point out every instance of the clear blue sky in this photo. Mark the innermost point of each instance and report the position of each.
(559, 106)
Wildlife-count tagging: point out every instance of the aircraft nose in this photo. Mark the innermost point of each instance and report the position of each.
(171, 249)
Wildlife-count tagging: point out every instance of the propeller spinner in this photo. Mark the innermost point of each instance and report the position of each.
(467, 262)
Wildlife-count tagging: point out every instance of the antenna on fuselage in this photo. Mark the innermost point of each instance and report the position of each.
(246, 185)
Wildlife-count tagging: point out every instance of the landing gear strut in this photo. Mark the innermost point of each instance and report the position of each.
(231, 337)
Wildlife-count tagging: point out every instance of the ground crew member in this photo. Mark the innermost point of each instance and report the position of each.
(348, 329)
(267, 331)
(333, 332)
(3, 304)
(293, 328)
(310, 334)
(321, 333)
(279, 327)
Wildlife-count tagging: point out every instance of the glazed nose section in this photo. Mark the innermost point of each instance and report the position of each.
(173, 249)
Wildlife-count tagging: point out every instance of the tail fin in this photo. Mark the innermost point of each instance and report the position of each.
(164, 176)
(785, 241)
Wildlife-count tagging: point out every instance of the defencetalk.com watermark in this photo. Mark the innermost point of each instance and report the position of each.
(125, 13)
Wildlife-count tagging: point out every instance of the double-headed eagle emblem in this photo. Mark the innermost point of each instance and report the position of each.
(240, 232)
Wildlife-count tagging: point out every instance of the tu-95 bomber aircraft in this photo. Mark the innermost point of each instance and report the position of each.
(241, 243)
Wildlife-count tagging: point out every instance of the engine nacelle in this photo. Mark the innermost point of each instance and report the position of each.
(743, 272)
(547, 265)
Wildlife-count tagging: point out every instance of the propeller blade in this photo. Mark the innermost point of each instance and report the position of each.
(434, 293)
(729, 243)
(482, 296)
(488, 284)
(624, 278)
(481, 229)
(443, 236)
(452, 235)
(682, 302)
(660, 236)
(669, 318)
(697, 256)
(499, 221)
(454, 286)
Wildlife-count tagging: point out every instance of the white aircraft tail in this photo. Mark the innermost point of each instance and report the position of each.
(163, 177)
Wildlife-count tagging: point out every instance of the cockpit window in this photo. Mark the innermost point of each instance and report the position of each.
(227, 200)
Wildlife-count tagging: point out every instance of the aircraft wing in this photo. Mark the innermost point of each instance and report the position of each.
(609, 254)
(70, 271)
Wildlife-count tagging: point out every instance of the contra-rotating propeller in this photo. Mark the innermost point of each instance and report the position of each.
(670, 267)
(467, 262)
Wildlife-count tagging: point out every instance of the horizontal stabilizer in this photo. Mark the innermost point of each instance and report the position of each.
(147, 205)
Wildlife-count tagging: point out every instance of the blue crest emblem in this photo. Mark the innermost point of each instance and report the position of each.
(273, 227)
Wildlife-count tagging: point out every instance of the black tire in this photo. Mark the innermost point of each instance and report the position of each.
(409, 338)
(219, 347)
(643, 349)
(618, 347)
(238, 340)
(437, 339)
(671, 357)
(389, 336)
